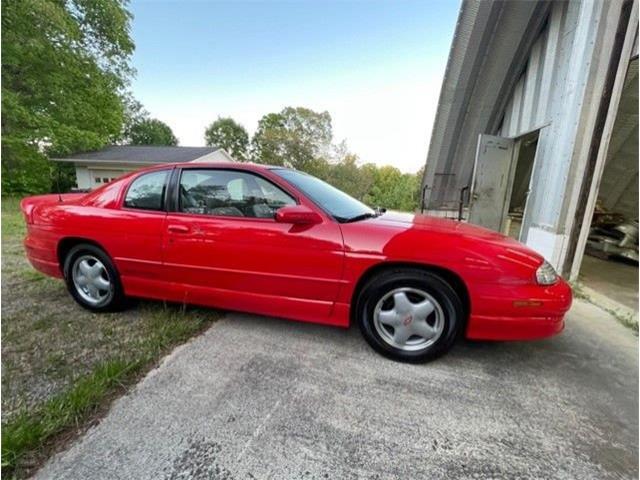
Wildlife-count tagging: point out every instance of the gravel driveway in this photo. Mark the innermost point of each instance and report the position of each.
(263, 398)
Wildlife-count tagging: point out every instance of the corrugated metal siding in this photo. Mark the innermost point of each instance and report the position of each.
(532, 102)
(548, 96)
(492, 39)
(463, 70)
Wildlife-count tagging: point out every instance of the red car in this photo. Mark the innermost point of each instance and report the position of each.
(276, 241)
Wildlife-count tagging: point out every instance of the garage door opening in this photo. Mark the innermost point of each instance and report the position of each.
(610, 263)
(525, 154)
(501, 182)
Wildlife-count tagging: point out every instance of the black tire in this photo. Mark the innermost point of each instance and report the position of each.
(451, 312)
(115, 299)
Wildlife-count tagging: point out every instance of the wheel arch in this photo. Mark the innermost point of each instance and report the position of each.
(452, 278)
(67, 243)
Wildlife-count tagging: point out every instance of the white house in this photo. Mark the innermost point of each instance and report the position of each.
(95, 168)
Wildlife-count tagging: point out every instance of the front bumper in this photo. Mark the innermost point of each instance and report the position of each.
(524, 312)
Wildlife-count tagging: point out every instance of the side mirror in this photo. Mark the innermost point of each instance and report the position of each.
(297, 215)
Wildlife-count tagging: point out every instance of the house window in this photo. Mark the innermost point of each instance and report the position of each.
(98, 180)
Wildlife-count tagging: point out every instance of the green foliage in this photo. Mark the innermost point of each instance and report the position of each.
(24, 169)
(151, 132)
(64, 66)
(30, 430)
(296, 137)
(393, 189)
(133, 114)
(302, 139)
(230, 135)
(139, 129)
(356, 180)
(12, 219)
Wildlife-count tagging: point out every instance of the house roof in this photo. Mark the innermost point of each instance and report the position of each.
(141, 154)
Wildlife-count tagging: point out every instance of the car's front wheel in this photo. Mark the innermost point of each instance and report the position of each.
(409, 314)
(92, 279)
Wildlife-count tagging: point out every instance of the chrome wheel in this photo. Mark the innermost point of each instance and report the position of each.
(91, 280)
(409, 319)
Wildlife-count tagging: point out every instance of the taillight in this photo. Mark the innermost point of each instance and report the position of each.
(27, 211)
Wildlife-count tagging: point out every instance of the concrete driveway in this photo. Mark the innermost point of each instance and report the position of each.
(261, 398)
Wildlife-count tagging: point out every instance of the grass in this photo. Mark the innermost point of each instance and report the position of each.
(12, 220)
(63, 365)
(29, 431)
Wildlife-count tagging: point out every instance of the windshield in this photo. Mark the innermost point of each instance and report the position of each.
(338, 204)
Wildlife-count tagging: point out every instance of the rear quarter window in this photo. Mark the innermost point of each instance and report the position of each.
(148, 191)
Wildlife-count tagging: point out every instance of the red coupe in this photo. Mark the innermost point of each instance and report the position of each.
(276, 241)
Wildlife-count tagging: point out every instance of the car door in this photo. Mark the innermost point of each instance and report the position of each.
(223, 247)
(133, 234)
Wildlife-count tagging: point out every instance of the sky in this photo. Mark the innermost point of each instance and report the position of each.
(376, 67)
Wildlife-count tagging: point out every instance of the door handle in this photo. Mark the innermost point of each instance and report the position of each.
(178, 228)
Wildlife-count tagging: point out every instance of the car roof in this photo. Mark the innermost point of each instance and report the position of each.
(227, 165)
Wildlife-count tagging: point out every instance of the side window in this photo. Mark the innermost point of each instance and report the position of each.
(147, 191)
(230, 193)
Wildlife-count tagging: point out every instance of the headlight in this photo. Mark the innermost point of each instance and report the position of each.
(546, 275)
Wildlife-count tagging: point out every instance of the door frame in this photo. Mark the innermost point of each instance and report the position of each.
(522, 235)
(517, 142)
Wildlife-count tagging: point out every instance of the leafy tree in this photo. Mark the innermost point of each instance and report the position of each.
(151, 131)
(230, 135)
(134, 113)
(64, 68)
(393, 189)
(297, 137)
(302, 138)
(351, 178)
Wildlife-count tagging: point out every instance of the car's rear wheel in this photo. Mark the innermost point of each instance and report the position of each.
(92, 279)
(409, 314)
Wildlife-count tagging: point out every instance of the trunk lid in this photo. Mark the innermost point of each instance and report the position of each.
(28, 204)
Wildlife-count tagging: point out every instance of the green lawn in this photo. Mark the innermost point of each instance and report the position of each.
(62, 365)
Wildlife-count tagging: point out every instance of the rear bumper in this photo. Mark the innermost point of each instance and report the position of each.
(42, 255)
(525, 312)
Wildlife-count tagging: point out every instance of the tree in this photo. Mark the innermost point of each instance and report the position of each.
(65, 66)
(351, 178)
(393, 189)
(297, 137)
(151, 131)
(134, 113)
(230, 135)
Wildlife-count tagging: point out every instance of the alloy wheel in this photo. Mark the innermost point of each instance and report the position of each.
(409, 319)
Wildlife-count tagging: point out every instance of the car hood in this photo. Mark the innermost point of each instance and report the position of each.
(465, 235)
(404, 220)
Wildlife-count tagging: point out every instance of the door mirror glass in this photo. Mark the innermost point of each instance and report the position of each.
(297, 215)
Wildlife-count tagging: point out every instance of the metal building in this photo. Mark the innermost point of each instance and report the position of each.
(537, 120)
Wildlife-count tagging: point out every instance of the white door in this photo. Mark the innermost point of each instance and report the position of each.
(491, 184)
